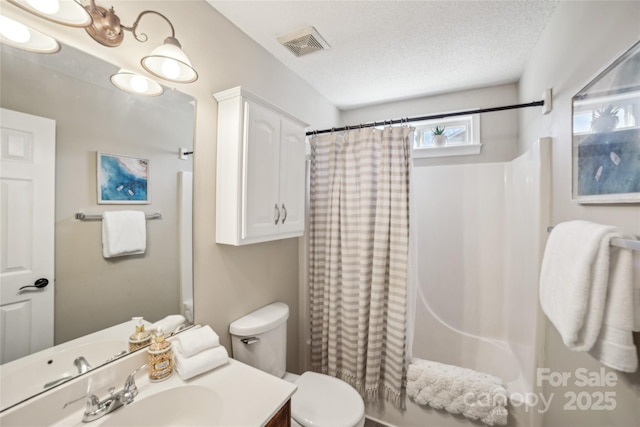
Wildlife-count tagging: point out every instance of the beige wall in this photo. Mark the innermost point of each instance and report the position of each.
(581, 40)
(498, 130)
(92, 293)
(229, 281)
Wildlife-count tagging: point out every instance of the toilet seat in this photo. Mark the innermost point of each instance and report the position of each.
(324, 401)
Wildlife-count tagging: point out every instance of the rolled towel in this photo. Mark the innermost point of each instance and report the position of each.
(169, 324)
(206, 360)
(457, 390)
(196, 340)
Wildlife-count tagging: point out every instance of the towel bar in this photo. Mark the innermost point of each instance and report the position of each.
(633, 245)
(98, 217)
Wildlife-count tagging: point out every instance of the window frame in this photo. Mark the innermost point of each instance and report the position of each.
(472, 147)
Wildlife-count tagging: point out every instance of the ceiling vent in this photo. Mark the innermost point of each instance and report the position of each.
(304, 42)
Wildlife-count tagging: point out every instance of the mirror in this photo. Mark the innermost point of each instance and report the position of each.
(606, 134)
(93, 293)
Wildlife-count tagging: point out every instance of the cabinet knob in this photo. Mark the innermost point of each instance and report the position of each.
(285, 213)
(277, 209)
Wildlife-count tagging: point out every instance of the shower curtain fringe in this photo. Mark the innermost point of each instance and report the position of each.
(370, 394)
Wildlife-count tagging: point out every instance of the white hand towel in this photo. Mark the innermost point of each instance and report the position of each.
(614, 347)
(189, 367)
(123, 233)
(457, 390)
(169, 324)
(573, 280)
(196, 340)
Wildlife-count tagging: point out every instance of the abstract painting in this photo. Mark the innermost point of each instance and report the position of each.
(122, 179)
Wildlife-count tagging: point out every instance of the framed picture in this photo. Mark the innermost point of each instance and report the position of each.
(606, 134)
(122, 179)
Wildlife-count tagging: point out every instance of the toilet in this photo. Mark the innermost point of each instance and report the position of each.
(259, 339)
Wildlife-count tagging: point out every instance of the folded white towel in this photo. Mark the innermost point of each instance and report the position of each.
(573, 280)
(457, 390)
(169, 324)
(194, 341)
(206, 360)
(123, 233)
(614, 347)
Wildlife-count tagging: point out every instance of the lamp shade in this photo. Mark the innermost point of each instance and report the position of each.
(16, 34)
(169, 62)
(135, 83)
(66, 12)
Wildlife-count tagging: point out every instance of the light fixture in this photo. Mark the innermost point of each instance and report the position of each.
(16, 34)
(170, 63)
(167, 61)
(66, 12)
(135, 83)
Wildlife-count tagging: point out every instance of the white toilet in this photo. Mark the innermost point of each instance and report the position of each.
(259, 339)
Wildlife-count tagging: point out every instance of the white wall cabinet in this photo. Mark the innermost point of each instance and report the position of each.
(260, 188)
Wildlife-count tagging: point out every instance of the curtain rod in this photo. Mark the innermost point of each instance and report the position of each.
(431, 117)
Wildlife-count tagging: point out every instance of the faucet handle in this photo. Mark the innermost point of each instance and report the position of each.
(130, 389)
(95, 409)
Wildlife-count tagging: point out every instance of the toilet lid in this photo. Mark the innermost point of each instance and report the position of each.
(324, 401)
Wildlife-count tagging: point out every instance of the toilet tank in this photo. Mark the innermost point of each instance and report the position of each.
(259, 339)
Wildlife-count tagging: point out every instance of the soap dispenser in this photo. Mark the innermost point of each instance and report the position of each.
(140, 338)
(159, 358)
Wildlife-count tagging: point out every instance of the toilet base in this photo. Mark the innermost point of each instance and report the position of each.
(292, 378)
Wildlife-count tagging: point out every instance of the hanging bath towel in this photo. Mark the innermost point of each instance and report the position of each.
(457, 390)
(587, 292)
(123, 233)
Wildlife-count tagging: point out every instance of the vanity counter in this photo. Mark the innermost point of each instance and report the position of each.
(246, 397)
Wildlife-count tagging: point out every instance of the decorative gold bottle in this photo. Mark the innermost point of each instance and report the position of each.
(140, 338)
(160, 358)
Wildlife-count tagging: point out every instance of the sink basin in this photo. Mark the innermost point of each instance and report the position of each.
(189, 405)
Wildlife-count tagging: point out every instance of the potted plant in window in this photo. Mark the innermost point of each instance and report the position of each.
(604, 119)
(439, 137)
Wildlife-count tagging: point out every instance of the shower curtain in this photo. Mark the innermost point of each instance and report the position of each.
(358, 254)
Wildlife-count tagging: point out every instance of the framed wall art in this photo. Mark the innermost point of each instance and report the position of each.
(122, 179)
(606, 134)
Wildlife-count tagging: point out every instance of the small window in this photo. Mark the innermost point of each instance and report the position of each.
(584, 111)
(463, 136)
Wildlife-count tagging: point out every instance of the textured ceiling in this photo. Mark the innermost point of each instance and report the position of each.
(388, 50)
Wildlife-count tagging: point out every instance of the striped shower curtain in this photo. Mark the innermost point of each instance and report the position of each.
(358, 253)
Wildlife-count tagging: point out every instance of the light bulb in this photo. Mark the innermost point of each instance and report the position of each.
(14, 31)
(49, 7)
(139, 84)
(170, 69)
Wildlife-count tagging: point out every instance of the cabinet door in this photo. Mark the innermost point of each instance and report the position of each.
(292, 177)
(260, 169)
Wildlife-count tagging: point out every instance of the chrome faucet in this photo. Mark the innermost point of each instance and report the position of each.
(97, 408)
(80, 363)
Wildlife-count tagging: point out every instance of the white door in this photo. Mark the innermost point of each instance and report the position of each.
(27, 194)
(292, 177)
(261, 163)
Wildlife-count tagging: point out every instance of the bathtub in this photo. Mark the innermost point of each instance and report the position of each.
(478, 235)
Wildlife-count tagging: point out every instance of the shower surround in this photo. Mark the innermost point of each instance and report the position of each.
(478, 235)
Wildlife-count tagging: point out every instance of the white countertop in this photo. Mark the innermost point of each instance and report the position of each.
(249, 397)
